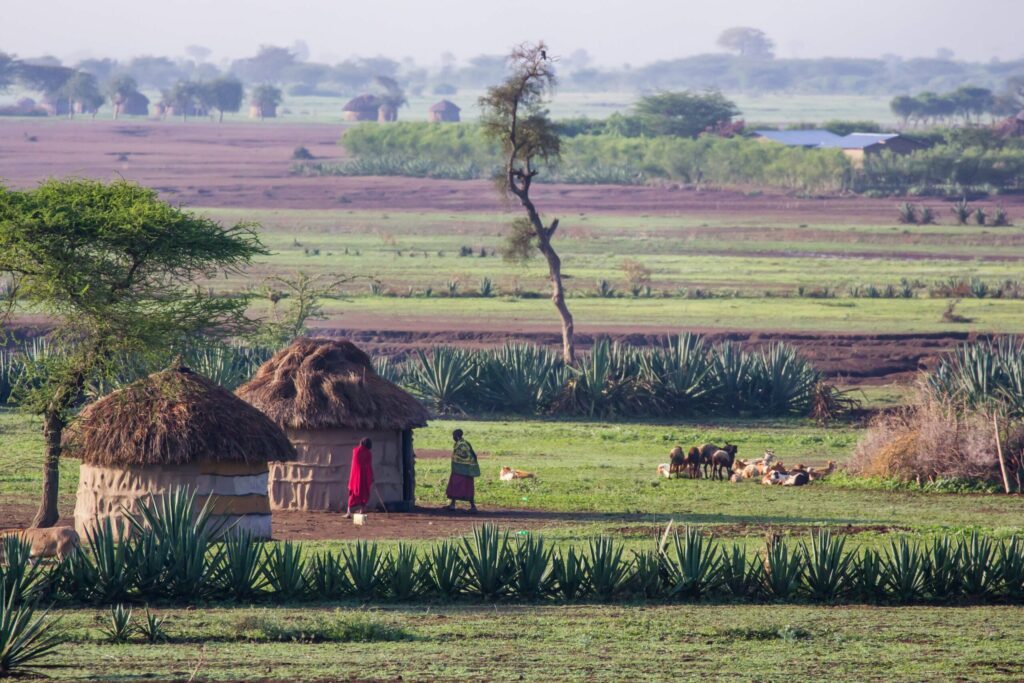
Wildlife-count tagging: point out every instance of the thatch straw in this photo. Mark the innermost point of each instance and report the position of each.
(171, 418)
(329, 383)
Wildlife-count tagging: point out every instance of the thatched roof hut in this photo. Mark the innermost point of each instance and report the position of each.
(444, 111)
(387, 113)
(134, 104)
(175, 428)
(362, 108)
(327, 396)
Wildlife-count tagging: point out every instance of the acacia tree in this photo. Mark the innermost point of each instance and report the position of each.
(514, 116)
(224, 94)
(747, 41)
(119, 90)
(266, 98)
(117, 269)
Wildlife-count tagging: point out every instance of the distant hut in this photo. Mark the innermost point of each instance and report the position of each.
(175, 429)
(327, 396)
(444, 112)
(362, 108)
(134, 104)
(267, 111)
(55, 105)
(387, 112)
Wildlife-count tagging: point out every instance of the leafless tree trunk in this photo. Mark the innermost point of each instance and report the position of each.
(520, 187)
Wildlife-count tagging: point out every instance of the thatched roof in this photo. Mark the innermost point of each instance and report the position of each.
(444, 106)
(171, 418)
(329, 383)
(362, 103)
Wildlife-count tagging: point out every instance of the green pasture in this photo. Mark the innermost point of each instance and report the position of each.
(601, 476)
(568, 643)
(414, 257)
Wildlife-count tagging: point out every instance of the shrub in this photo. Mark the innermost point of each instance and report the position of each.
(907, 213)
(961, 211)
(301, 153)
(119, 628)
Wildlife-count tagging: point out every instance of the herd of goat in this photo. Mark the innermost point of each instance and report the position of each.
(721, 463)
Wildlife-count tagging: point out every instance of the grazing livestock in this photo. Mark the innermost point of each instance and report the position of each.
(694, 459)
(677, 461)
(721, 461)
(665, 470)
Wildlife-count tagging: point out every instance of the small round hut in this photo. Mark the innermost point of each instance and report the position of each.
(362, 108)
(326, 396)
(444, 111)
(175, 429)
(135, 104)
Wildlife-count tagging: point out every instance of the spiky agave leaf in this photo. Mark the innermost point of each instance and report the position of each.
(490, 566)
(25, 640)
(693, 567)
(826, 566)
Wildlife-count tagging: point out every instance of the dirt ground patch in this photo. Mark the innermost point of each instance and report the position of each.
(248, 165)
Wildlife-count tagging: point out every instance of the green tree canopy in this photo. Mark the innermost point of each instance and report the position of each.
(117, 269)
(747, 41)
(224, 94)
(266, 98)
(684, 114)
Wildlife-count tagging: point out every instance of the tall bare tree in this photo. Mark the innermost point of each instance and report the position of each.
(514, 115)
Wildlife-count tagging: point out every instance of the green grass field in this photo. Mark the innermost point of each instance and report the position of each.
(601, 477)
(414, 255)
(568, 643)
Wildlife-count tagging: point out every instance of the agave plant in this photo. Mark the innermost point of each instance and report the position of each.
(184, 538)
(694, 568)
(730, 378)
(387, 368)
(607, 570)
(868, 577)
(826, 566)
(404, 576)
(603, 383)
(284, 572)
(979, 566)
(490, 563)
(364, 566)
(783, 569)
(904, 571)
(674, 376)
(1011, 567)
(534, 577)
(239, 574)
(648, 577)
(442, 378)
(25, 639)
(786, 381)
(21, 579)
(519, 378)
(119, 628)
(326, 577)
(447, 570)
(152, 628)
(570, 573)
(741, 577)
(111, 559)
(942, 568)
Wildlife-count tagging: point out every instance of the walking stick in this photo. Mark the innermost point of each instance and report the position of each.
(380, 499)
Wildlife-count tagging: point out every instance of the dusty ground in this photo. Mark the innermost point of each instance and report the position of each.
(248, 165)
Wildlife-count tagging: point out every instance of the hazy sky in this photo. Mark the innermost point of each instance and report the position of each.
(613, 31)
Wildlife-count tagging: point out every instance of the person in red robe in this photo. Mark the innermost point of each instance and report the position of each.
(360, 477)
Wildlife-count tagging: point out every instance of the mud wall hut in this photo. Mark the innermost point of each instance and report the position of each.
(362, 108)
(387, 113)
(326, 395)
(175, 429)
(444, 111)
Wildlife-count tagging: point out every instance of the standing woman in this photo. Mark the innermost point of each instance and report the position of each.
(360, 477)
(465, 469)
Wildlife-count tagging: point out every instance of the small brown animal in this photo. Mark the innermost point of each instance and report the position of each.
(721, 461)
(58, 541)
(694, 459)
(815, 475)
(508, 474)
(677, 461)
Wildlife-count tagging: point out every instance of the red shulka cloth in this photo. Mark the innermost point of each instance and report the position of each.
(360, 477)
